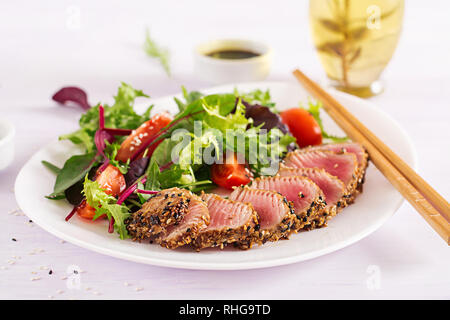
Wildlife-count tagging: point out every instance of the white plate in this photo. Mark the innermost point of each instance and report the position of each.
(372, 208)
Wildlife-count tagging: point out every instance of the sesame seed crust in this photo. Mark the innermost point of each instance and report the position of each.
(283, 229)
(242, 237)
(166, 211)
(158, 213)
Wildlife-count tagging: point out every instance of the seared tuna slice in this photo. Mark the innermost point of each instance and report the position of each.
(194, 221)
(349, 147)
(344, 166)
(346, 147)
(276, 215)
(231, 222)
(341, 165)
(165, 212)
(305, 195)
(165, 208)
(333, 189)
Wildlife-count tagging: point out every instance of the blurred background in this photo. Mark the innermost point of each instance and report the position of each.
(46, 45)
(96, 44)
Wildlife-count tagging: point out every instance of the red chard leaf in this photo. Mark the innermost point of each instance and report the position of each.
(72, 94)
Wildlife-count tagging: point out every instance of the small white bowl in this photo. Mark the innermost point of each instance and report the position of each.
(7, 133)
(219, 71)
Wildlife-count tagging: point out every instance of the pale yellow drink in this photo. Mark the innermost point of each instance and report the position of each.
(355, 40)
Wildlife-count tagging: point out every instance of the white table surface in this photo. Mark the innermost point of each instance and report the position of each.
(50, 44)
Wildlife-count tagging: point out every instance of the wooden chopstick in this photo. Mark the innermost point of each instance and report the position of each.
(398, 175)
(421, 185)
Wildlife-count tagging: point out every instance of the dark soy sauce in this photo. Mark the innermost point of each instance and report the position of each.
(233, 54)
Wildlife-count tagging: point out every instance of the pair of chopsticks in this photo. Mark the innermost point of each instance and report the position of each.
(430, 204)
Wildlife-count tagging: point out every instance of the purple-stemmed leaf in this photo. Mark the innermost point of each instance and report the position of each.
(263, 115)
(135, 170)
(100, 138)
(72, 94)
(146, 191)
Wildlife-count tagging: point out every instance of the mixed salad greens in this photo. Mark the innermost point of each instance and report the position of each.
(213, 140)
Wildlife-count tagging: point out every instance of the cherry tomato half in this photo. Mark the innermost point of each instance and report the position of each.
(302, 126)
(230, 173)
(143, 134)
(110, 179)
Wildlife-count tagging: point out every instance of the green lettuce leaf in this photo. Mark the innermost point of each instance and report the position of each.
(314, 110)
(216, 117)
(189, 97)
(153, 50)
(257, 96)
(111, 151)
(152, 174)
(120, 115)
(74, 169)
(105, 204)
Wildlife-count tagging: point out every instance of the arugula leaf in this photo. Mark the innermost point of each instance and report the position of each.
(143, 197)
(58, 196)
(152, 174)
(263, 150)
(81, 136)
(51, 167)
(219, 116)
(189, 97)
(174, 176)
(75, 168)
(120, 115)
(222, 103)
(193, 152)
(162, 155)
(126, 95)
(105, 204)
(111, 151)
(155, 51)
(314, 110)
(257, 97)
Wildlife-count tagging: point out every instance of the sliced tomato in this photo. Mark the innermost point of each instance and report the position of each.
(231, 173)
(302, 126)
(85, 211)
(143, 134)
(110, 179)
